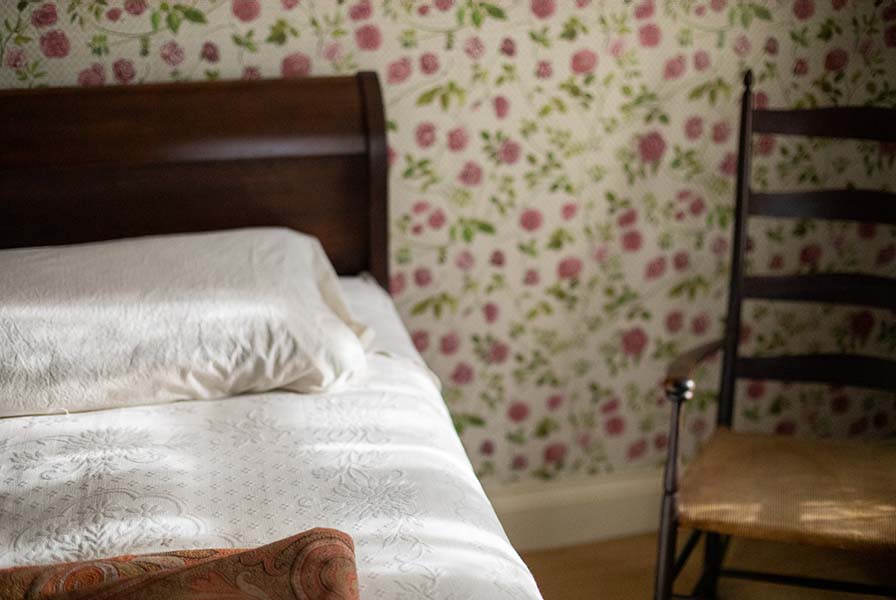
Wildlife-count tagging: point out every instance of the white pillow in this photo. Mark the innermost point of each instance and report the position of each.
(158, 319)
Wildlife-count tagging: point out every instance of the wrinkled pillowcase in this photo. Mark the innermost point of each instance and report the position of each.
(159, 319)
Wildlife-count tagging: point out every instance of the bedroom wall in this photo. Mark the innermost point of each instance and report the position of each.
(561, 184)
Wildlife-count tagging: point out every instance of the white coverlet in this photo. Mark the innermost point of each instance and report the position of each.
(378, 459)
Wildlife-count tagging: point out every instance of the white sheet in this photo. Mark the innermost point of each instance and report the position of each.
(378, 459)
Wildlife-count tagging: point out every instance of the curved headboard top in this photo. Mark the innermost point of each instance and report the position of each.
(80, 165)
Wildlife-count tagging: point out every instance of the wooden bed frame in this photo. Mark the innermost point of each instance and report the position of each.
(81, 165)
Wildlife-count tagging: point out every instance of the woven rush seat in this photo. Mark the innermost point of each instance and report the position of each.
(838, 494)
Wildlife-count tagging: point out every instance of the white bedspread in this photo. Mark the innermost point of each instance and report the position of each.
(378, 460)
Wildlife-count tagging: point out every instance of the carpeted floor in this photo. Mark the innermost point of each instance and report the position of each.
(623, 570)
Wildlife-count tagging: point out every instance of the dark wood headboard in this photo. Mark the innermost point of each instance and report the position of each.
(79, 165)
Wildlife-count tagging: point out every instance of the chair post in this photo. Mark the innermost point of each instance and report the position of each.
(676, 392)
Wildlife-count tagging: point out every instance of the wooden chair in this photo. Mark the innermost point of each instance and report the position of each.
(838, 494)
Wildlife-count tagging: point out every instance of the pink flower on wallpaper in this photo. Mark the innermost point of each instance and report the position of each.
(742, 45)
(172, 53)
(555, 453)
(246, 10)
(861, 324)
(614, 426)
(210, 52)
(637, 449)
(437, 219)
(420, 339)
(544, 70)
(693, 128)
(54, 44)
(457, 139)
(800, 67)
(674, 321)
(649, 35)
(289, 4)
(728, 166)
(632, 240)
(44, 15)
(697, 206)
(491, 312)
(765, 145)
(634, 341)
(360, 10)
(803, 9)
(568, 211)
(719, 246)
(123, 70)
(368, 37)
(530, 219)
(422, 276)
(449, 343)
(462, 374)
(297, 64)
(755, 390)
(776, 262)
(660, 441)
(771, 46)
(398, 70)
(583, 61)
(617, 47)
(810, 255)
(890, 36)
(464, 260)
(627, 217)
(700, 324)
(601, 254)
(135, 7)
(333, 51)
(251, 73)
(471, 174)
(15, 58)
(429, 63)
(517, 411)
(674, 67)
(474, 47)
(721, 131)
(509, 152)
(487, 447)
(508, 47)
(420, 207)
(681, 260)
(113, 14)
(543, 8)
(497, 258)
(519, 462)
(444, 5)
(397, 284)
(610, 407)
(554, 402)
(836, 60)
(701, 60)
(531, 277)
(886, 255)
(569, 268)
(502, 106)
(95, 75)
(651, 147)
(655, 268)
(645, 9)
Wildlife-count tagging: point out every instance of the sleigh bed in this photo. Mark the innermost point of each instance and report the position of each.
(377, 458)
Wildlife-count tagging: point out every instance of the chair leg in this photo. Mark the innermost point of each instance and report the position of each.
(665, 552)
(712, 564)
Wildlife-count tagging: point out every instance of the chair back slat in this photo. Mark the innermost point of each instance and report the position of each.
(843, 204)
(835, 369)
(848, 122)
(830, 288)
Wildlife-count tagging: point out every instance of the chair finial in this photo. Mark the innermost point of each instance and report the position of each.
(748, 79)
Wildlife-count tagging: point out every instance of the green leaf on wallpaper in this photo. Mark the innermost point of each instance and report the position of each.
(494, 11)
(155, 20)
(247, 41)
(281, 30)
(99, 45)
(144, 45)
(572, 28)
(173, 20)
(712, 89)
(690, 287)
(464, 420)
(761, 12)
(541, 37)
(193, 15)
(800, 37)
(545, 427)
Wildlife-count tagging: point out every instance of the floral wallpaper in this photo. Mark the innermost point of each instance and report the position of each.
(561, 184)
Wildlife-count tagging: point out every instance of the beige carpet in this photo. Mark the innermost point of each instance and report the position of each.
(623, 570)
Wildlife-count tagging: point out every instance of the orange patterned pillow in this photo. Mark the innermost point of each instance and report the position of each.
(318, 564)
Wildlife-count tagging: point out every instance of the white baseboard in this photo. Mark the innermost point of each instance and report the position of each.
(538, 515)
